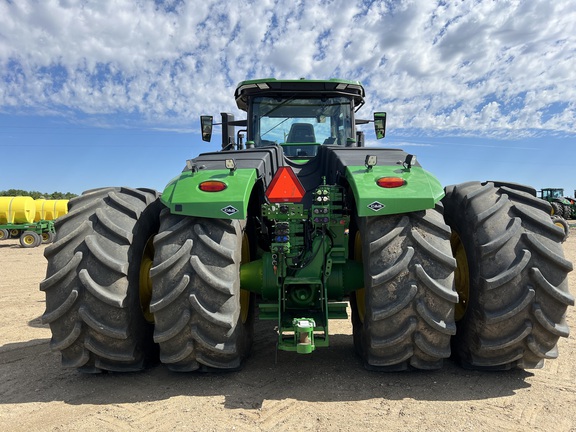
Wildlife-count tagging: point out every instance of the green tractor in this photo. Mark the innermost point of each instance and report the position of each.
(296, 221)
(561, 206)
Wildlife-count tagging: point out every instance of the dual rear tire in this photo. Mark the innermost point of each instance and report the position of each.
(93, 284)
(404, 317)
(501, 304)
(511, 276)
(102, 311)
(203, 320)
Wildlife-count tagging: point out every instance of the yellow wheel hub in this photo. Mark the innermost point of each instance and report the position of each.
(559, 224)
(146, 280)
(28, 239)
(461, 276)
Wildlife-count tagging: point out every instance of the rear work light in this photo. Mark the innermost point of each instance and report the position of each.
(212, 186)
(390, 182)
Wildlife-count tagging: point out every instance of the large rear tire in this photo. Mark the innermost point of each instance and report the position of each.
(203, 319)
(511, 274)
(93, 280)
(557, 209)
(404, 316)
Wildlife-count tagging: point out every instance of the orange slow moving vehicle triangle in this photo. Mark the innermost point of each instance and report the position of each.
(285, 187)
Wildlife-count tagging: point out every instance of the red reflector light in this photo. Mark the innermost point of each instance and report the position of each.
(285, 187)
(390, 182)
(212, 186)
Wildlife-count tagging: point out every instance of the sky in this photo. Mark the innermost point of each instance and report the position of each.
(98, 93)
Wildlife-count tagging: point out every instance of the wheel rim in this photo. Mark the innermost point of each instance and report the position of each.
(45, 237)
(461, 276)
(245, 294)
(361, 293)
(146, 280)
(28, 240)
(14, 233)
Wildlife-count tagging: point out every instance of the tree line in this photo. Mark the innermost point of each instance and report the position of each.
(37, 195)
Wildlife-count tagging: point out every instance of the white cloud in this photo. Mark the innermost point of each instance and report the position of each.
(471, 66)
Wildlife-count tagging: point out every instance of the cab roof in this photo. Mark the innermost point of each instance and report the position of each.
(288, 88)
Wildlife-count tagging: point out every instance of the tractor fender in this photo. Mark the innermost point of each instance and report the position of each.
(183, 195)
(420, 191)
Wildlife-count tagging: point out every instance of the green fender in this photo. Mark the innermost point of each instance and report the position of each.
(183, 195)
(421, 190)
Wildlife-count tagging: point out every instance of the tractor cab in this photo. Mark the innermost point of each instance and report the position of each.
(552, 193)
(298, 115)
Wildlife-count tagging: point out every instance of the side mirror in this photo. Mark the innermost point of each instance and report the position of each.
(206, 125)
(380, 124)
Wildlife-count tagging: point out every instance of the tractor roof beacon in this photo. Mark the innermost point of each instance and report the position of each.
(295, 217)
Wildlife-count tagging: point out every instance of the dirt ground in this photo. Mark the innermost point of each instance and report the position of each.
(326, 391)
